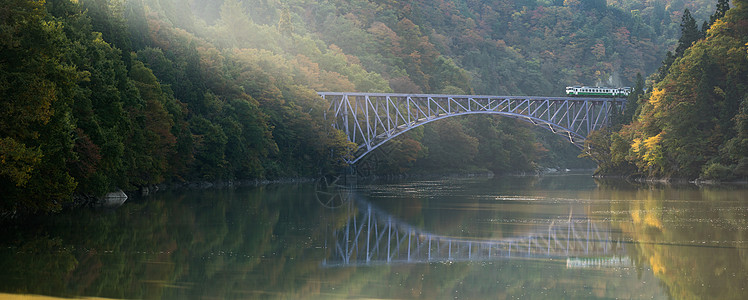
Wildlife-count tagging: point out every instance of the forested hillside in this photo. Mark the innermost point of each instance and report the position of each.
(106, 94)
(98, 96)
(487, 47)
(693, 123)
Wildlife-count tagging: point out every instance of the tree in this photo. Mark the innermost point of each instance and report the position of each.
(108, 17)
(599, 5)
(35, 99)
(137, 24)
(632, 101)
(151, 143)
(689, 33)
(722, 7)
(664, 68)
(285, 27)
(449, 145)
(235, 22)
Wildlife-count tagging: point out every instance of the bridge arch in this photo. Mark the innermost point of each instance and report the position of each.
(371, 236)
(372, 119)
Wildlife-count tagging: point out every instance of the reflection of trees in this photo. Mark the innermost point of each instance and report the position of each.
(215, 244)
(506, 279)
(268, 242)
(21, 262)
(690, 237)
(155, 248)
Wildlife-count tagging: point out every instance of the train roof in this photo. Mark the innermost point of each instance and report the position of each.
(597, 87)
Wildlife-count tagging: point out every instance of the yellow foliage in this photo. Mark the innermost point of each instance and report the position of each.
(650, 219)
(718, 26)
(635, 217)
(652, 151)
(657, 96)
(655, 261)
(636, 145)
(652, 142)
(720, 92)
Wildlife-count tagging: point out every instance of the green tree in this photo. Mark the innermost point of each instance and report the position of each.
(151, 143)
(632, 100)
(235, 22)
(722, 7)
(689, 33)
(285, 27)
(689, 125)
(449, 145)
(35, 131)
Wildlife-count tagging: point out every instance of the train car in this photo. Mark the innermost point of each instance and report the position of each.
(597, 91)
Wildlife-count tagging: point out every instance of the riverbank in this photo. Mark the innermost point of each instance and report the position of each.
(118, 197)
(653, 180)
(87, 200)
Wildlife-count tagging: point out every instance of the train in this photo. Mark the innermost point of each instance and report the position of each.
(597, 91)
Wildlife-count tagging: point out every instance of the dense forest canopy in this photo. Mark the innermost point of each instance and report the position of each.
(693, 121)
(106, 94)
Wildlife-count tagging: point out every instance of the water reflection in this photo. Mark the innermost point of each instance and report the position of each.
(373, 236)
(694, 239)
(568, 237)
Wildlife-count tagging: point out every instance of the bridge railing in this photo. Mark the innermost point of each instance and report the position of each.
(372, 236)
(371, 119)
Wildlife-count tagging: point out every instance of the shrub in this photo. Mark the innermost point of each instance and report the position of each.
(716, 171)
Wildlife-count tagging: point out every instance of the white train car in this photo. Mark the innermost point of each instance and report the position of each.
(597, 91)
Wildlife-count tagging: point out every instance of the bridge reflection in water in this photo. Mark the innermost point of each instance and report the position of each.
(371, 236)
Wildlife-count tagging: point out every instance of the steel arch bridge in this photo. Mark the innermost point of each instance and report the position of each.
(371, 236)
(371, 119)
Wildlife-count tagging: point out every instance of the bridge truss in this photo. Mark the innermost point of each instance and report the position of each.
(371, 119)
(372, 236)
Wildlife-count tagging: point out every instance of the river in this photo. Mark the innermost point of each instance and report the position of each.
(551, 237)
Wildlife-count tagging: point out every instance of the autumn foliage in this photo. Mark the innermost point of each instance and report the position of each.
(691, 124)
(102, 94)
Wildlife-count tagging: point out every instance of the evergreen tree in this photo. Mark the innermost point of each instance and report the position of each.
(137, 24)
(285, 27)
(632, 101)
(616, 118)
(666, 63)
(722, 7)
(704, 27)
(689, 33)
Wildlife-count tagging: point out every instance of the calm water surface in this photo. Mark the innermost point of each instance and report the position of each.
(481, 238)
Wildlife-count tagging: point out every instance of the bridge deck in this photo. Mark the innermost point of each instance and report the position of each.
(372, 119)
(372, 236)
